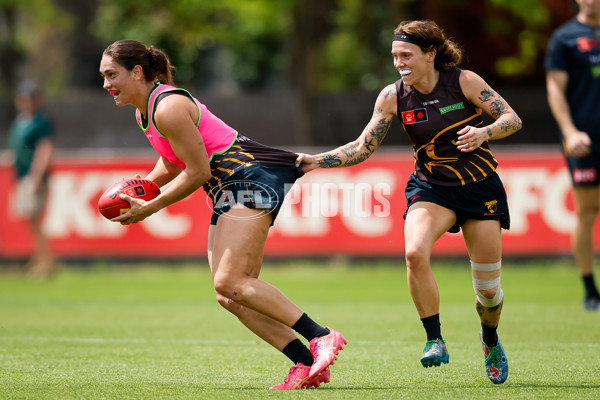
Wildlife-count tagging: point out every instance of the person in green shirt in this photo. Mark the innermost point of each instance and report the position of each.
(30, 141)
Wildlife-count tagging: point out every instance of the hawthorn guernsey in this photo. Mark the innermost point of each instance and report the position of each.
(110, 203)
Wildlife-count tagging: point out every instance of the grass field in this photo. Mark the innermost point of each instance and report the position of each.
(155, 332)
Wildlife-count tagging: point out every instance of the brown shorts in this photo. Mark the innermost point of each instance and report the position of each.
(29, 202)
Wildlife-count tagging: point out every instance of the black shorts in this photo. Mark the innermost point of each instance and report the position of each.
(481, 200)
(257, 186)
(585, 171)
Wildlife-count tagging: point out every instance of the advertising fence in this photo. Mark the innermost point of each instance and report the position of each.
(356, 211)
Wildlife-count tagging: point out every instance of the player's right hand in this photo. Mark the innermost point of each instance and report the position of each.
(307, 161)
(578, 144)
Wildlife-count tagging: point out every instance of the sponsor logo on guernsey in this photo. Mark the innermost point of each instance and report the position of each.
(492, 206)
(452, 107)
(414, 116)
(585, 44)
(584, 175)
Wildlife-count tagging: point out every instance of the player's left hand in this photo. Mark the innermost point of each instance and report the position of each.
(470, 138)
(136, 213)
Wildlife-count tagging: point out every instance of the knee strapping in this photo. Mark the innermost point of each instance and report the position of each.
(485, 278)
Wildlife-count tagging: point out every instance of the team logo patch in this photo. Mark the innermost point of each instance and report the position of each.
(492, 206)
(585, 44)
(584, 175)
(452, 107)
(414, 116)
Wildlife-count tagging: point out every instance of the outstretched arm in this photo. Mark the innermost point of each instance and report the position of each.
(483, 96)
(360, 149)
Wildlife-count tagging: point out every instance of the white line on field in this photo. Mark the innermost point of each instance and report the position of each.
(121, 340)
(217, 341)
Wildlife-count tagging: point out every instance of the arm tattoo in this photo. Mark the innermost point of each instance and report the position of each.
(489, 132)
(509, 126)
(381, 130)
(390, 92)
(349, 150)
(330, 161)
(486, 95)
(369, 144)
(497, 108)
(357, 160)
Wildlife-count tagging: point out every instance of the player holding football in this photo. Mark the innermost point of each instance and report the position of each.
(198, 149)
(454, 185)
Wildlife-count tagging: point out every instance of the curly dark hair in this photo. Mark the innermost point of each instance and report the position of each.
(448, 55)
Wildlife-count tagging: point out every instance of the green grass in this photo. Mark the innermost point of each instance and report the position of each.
(153, 332)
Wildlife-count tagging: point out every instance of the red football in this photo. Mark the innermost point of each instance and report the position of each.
(111, 205)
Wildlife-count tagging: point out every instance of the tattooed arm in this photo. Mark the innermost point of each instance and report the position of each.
(360, 149)
(483, 96)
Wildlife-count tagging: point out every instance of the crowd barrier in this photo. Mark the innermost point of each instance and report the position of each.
(356, 211)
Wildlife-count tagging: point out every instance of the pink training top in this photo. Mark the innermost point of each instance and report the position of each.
(218, 137)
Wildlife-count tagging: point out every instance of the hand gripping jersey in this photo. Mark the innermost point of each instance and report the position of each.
(431, 122)
(217, 136)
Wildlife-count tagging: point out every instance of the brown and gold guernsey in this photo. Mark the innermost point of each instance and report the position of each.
(243, 153)
(431, 122)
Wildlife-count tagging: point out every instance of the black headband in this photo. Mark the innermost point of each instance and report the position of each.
(405, 37)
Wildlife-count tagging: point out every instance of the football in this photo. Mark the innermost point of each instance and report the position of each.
(111, 205)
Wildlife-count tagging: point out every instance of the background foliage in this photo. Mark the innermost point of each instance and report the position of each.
(308, 47)
(343, 42)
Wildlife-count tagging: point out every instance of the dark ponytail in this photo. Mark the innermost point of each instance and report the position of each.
(154, 62)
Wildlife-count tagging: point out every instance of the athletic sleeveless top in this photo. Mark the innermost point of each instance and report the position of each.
(217, 136)
(431, 122)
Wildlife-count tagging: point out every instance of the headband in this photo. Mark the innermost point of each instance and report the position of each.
(405, 37)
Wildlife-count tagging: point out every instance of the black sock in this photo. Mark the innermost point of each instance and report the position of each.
(432, 327)
(489, 335)
(308, 328)
(298, 352)
(590, 286)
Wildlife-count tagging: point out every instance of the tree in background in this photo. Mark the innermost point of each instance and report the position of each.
(313, 47)
(31, 36)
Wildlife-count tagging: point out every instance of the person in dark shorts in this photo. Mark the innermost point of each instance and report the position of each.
(246, 182)
(454, 185)
(573, 89)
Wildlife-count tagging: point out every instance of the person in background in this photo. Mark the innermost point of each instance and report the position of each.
(247, 182)
(31, 143)
(454, 186)
(573, 90)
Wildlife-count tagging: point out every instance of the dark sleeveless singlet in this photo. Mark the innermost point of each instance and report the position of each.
(431, 122)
